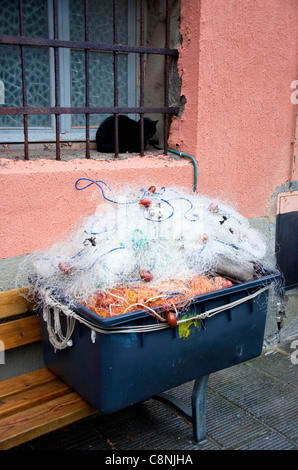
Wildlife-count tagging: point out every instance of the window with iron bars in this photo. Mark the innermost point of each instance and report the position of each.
(68, 64)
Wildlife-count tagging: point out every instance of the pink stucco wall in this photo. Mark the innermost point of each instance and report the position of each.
(237, 62)
(39, 201)
(237, 65)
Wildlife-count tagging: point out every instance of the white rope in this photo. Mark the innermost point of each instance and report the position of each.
(214, 311)
(60, 341)
(56, 336)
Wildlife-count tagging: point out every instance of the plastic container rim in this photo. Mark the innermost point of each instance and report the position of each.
(140, 314)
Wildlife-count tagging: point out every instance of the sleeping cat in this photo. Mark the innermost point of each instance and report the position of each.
(128, 132)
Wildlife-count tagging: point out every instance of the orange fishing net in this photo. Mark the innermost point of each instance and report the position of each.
(166, 296)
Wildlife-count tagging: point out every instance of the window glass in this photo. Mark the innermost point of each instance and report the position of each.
(101, 83)
(100, 21)
(101, 75)
(39, 61)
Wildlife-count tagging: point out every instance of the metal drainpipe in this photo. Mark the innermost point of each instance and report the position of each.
(187, 156)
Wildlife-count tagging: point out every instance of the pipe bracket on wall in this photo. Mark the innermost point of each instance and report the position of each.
(185, 155)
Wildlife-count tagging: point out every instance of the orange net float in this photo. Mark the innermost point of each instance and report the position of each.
(145, 202)
(152, 189)
(145, 275)
(171, 319)
(65, 267)
(167, 296)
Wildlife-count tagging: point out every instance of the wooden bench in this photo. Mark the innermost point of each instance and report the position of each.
(37, 402)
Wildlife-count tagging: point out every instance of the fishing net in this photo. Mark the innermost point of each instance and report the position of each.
(164, 296)
(148, 248)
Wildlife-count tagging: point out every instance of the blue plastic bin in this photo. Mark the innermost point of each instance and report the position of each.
(118, 370)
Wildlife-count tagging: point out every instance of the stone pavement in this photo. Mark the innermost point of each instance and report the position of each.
(250, 406)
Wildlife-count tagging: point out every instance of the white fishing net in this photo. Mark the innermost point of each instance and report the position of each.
(149, 235)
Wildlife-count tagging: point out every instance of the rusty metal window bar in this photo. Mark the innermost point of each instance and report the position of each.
(87, 46)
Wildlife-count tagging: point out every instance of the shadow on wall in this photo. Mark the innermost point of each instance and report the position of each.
(155, 64)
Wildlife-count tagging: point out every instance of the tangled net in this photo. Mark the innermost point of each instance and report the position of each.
(148, 249)
(165, 296)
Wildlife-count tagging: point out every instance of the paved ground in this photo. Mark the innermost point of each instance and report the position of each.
(251, 406)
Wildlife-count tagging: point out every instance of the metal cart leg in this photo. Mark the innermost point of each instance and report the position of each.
(198, 401)
(197, 413)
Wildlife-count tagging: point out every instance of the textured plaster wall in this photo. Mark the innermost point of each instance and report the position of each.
(237, 64)
(39, 201)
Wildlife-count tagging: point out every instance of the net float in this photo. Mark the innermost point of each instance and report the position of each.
(171, 319)
(65, 267)
(146, 275)
(145, 202)
(213, 208)
(226, 283)
(152, 189)
(104, 300)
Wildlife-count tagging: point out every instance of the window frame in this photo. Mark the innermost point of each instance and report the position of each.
(67, 132)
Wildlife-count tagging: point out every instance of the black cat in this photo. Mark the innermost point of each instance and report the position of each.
(128, 134)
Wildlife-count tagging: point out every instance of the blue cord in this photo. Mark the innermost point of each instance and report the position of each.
(163, 189)
(102, 191)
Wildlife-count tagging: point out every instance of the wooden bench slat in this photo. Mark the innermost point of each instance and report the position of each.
(38, 402)
(34, 396)
(20, 332)
(13, 303)
(25, 382)
(42, 419)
